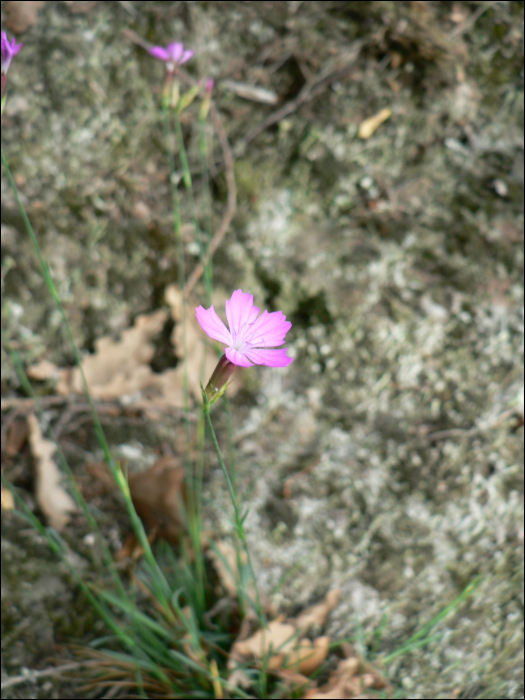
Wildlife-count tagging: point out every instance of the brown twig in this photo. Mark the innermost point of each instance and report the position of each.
(32, 676)
(112, 408)
(228, 165)
(469, 432)
(23, 404)
(309, 91)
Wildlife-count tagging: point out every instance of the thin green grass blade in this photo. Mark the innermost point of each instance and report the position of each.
(421, 633)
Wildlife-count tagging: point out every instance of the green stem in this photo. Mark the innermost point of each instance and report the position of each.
(188, 183)
(193, 515)
(237, 515)
(205, 174)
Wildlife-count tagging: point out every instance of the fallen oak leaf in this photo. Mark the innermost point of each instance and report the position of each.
(120, 369)
(158, 495)
(281, 647)
(22, 14)
(308, 656)
(275, 641)
(348, 681)
(52, 498)
(103, 481)
(317, 614)
(43, 370)
(293, 679)
(16, 437)
(338, 692)
(116, 369)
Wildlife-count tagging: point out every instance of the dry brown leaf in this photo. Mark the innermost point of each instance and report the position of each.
(317, 614)
(128, 548)
(239, 679)
(132, 547)
(348, 681)
(8, 502)
(308, 656)
(53, 499)
(103, 480)
(368, 126)
(293, 678)
(16, 437)
(290, 657)
(279, 637)
(158, 496)
(201, 358)
(338, 692)
(120, 369)
(44, 370)
(22, 14)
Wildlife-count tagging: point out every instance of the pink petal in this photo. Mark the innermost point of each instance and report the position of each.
(240, 311)
(186, 56)
(175, 51)
(212, 325)
(270, 358)
(237, 358)
(268, 330)
(159, 52)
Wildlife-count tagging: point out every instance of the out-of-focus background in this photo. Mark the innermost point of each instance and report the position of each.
(378, 156)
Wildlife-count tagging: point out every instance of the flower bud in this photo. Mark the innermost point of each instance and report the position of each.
(219, 379)
(187, 98)
(206, 102)
(9, 51)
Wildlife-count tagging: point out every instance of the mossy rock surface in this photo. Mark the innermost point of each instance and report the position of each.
(387, 459)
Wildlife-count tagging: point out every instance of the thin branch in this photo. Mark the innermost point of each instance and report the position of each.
(32, 676)
(309, 91)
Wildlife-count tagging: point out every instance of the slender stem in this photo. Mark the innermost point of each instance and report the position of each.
(189, 189)
(205, 174)
(238, 518)
(193, 499)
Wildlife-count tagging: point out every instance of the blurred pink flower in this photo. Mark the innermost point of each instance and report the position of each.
(174, 54)
(250, 340)
(9, 50)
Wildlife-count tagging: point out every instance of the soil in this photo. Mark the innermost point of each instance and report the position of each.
(387, 460)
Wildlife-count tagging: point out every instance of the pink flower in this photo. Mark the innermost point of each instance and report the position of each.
(249, 338)
(174, 54)
(9, 50)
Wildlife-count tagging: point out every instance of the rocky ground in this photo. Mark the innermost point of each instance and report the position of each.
(387, 460)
